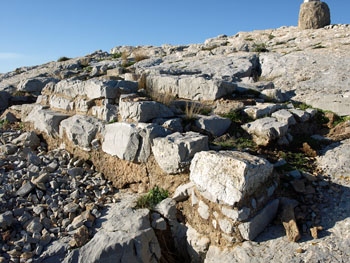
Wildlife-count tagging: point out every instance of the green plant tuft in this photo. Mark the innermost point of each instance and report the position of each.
(152, 198)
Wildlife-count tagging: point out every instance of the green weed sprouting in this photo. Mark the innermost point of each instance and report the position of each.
(152, 198)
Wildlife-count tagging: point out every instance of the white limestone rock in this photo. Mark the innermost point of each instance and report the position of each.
(229, 176)
(175, 152)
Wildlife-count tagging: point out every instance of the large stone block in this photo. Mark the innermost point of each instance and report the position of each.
(80, 130)
(175, 152)
(228, 177)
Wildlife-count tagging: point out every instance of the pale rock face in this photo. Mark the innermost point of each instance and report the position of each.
(229, 176)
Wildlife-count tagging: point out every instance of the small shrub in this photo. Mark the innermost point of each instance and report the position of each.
(192, 110)
(152, 198)
(61, 59)
(260, 47)
(116, 55)
(248, 39)
(271, 36)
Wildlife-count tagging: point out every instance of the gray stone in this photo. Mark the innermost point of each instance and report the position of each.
(122, 140)
(45, 120)
(125, 236)
(275, 95)
(251, 229)
(167, 208)
(335, 160)
(6, 219)
(261, 110)
(314, 15)
(175, 152)
(284, 116)
(174, 125)
(301, 116)
(203, 210)
(61, 103)
(133, 109)
(34, 85)
(229, 176)
(8, 149)
(266, 130)
(158, 222)
(216, 125)
(34, 226)
(107, 112)
(183, 192)
(197, 245)
(25, 189)
(28, 139)
(4, 100)
(235, 214)
(80, 130)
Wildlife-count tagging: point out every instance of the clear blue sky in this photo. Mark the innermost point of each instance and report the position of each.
(37, 31)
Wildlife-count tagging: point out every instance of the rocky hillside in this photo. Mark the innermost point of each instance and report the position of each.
(234, 150)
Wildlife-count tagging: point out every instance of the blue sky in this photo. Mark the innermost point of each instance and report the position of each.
(38, 31)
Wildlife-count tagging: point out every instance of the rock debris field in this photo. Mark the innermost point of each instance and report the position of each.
(243, 141)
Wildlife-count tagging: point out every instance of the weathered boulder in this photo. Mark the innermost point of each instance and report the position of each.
(125, 235)
(131, 142)
(138, 110)
(175, 152)
(228, 176)
(214, 124)
(46, 120)
(313, 15)
(80, 130)
(266, 130)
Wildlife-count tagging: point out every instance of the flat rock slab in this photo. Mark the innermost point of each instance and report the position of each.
(175, 152)
(229, 176)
